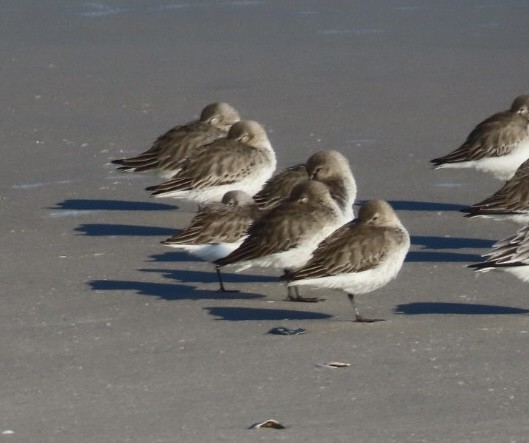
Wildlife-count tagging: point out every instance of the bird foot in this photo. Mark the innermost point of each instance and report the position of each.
(361, 319)
(227, 291)
(301, 299)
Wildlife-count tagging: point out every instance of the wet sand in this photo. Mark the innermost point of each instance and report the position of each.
(108, 336)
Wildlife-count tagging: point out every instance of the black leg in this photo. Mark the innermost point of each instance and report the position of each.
(219, 276)
(358, 317)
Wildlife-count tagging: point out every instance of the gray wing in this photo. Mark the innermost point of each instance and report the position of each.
(494, 137)
(280, 185)
(171, 147)
(351, 248)
(221, 224)
(182, 144)
(512, 250)
(511, 198)
(222, 162)
(281, 229)
(149, 159)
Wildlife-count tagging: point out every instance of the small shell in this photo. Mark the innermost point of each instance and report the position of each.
(271, 423)
(335, 364)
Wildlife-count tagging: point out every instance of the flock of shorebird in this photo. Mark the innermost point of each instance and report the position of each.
(500, 145)
(301, 219)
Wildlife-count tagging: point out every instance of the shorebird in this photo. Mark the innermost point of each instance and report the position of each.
(218, 229)
(510, 202)
(244, 159)
(498, 145)
(287, 235)
(280, 186)
(332, 168)
(510, 255)
(361, 256)
(329, 167)
(177, 143)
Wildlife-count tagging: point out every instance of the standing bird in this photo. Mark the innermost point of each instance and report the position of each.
(510, 202)
(244, 159)
(177, 143)
(218, 229)
(498, 145)
(287, 235)
(510, 255)
(361, 256)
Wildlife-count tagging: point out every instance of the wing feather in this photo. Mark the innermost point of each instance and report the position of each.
(511, 251)
(171, 147)
(223, 224)
(222, 162)
(352, 248)
(511, 198)
(494, 137)
(279, 230)
(280, 185)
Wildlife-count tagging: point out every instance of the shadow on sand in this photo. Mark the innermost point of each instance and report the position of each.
(167, 291)
(408, 205)
(454, 257)
(256, 314)
(432, 244)
(173, 256)
(108, 229)
(211, 277)
(435, 242)
(456, 308)
(111, 205)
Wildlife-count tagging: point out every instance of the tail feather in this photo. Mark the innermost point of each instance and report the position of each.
(481, 266)
(457, 156)
(141, 163)
(477, 211)
(490, 265)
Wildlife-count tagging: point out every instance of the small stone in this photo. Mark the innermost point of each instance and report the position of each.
(281, 330)
(271, 424)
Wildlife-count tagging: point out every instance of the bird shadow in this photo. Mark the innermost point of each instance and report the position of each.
(419, 308)
(111, 205)
(257, 314)
(167, 291)
(447, 257)
(432, 244)
(211, 277)
(409, 205)
(176, 256)
(436, 242)
(110, 229)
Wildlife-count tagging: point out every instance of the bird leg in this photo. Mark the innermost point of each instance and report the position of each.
(358, 317)
(293, 295)
(219, 276)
